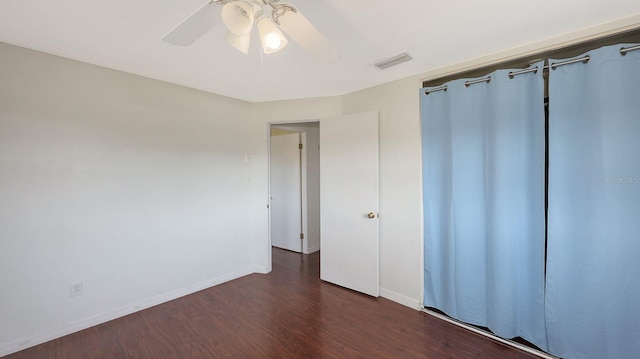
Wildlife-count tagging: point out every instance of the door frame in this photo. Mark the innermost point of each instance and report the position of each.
(368, 288)
(304, 185)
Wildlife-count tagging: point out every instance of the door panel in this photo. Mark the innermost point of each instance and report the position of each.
(285, 192)
(348, 192)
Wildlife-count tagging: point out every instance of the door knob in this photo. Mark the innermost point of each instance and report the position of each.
(371, 215)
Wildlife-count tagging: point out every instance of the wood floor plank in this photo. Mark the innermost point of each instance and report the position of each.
(289, 313)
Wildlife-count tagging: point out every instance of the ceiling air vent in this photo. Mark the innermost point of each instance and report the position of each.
(393, 61)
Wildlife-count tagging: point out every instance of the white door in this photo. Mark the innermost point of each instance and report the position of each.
(285, 192)
(348, 200)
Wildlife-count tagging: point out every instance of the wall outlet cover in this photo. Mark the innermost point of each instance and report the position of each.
(75, 289)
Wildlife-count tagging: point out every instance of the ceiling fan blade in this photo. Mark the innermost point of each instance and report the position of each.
(193, 27)
(302, 31)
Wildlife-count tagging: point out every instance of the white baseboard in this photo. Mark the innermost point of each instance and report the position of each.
(313, 249)
(260, 269)
(401, 299)
(66, 329)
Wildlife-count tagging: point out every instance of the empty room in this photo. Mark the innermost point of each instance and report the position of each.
(319, 179)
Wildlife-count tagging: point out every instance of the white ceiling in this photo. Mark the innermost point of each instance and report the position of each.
(125, 35)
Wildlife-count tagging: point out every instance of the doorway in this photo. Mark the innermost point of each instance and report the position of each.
(294, 182)
(342, 196)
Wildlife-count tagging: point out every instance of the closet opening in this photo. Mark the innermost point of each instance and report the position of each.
(632, 36)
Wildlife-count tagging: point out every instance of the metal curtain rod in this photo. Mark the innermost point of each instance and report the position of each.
(484, 79)
(513, 74)
(624, 50)
(436, 89)
(552, 66)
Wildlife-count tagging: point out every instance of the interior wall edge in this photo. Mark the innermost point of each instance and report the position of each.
(85, 323)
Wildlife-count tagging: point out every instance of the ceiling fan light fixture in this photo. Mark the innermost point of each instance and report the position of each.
(241, 16)
(239, 42)
(271, 37)
(238, 17)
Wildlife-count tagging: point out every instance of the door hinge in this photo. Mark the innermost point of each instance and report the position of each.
(300, 146)
(301, 235)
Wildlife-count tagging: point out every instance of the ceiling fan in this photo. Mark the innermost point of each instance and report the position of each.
(241, 16)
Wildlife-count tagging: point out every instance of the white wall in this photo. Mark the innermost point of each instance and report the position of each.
(138, 188)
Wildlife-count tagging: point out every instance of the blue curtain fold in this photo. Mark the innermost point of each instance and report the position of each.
(483, 149)
(593, 275)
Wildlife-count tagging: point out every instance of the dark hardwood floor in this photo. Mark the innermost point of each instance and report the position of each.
(288, 313)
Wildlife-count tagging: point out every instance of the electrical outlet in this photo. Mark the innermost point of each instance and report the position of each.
(75, 288)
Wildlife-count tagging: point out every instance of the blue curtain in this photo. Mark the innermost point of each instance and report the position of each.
(484, 216)
(593, 275)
